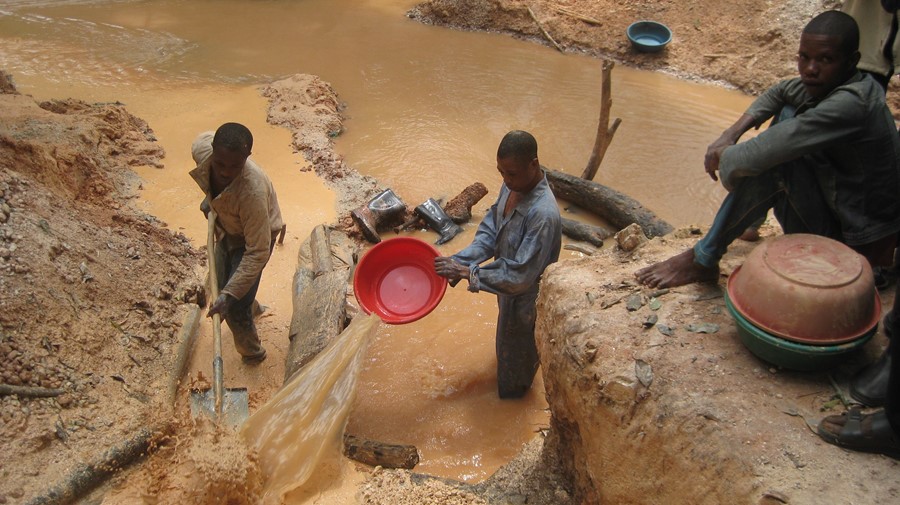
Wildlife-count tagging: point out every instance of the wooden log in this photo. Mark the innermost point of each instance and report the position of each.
(584, 232)
(320, 251)
(380, 454)
(319, 288)
(186, 338)
(605, 132)
(460, 207)
(618, 209)
(87, 476)
(319, 296)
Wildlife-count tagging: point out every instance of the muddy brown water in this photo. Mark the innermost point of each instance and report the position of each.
(426, 109)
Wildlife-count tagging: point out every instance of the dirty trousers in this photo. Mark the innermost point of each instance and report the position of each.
(791, 190)
(517, 357)
(239, 316)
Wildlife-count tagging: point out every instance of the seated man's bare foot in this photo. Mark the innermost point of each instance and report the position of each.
(676, 271)
(750, 235)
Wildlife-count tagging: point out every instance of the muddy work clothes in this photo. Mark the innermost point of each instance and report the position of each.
(240, 317)
(521, 244)
(247, 225)
(830, 167)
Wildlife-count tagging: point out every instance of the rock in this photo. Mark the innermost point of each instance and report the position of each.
(634, 302)
(64, 400)
(630, 237)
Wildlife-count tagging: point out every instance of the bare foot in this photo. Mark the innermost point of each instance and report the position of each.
(676, 271)
(750, 235)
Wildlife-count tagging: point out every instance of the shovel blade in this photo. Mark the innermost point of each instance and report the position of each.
(235, 405)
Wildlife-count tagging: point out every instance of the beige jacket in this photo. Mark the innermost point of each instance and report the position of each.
(874, 28)
(248, 214)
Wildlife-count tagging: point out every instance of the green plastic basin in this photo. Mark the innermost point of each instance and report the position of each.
(793, 355)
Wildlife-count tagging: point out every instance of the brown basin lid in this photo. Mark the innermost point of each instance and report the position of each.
(806, 288)
(813, 261)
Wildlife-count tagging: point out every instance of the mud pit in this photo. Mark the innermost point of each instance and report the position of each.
(714, 425)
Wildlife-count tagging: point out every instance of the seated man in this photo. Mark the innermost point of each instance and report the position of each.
(828, 165)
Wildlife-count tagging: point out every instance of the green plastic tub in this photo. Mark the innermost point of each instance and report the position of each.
(793, 355)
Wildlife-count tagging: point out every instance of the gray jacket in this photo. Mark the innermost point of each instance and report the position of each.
(851, 140)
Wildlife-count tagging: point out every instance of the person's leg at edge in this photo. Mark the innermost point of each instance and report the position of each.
(517, 357)
(870, 385)
(878, 432)
(892, 403)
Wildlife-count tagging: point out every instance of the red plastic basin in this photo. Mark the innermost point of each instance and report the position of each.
(396, 280)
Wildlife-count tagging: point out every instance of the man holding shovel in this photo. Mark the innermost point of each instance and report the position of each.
(240, 197)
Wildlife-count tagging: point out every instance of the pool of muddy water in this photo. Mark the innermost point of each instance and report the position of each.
(426, 108)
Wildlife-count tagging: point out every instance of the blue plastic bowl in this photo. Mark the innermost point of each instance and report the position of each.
(649, 36)
(792, 355)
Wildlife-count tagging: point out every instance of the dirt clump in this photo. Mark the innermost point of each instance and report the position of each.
(92, 292)
(310, 108)
(202, 464)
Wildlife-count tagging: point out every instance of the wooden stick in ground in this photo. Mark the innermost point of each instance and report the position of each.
(576, 15)
(541, 27)
(87, 476)
(605, 132)
(30, 391)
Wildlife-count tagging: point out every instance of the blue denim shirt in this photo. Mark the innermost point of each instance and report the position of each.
(522, 244)
(851, 140)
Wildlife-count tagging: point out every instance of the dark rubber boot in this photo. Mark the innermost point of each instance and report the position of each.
(870, 385)
(380, 210)
(438, 220)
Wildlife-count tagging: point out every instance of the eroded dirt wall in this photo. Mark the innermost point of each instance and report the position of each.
(624, 442)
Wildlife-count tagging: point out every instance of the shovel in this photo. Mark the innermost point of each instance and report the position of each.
(228, 406)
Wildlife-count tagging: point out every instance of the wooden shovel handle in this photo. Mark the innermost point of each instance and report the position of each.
(218, 381)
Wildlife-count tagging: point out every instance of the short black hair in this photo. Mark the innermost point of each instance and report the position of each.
(518, 144)
(836, 24)
(234, 136)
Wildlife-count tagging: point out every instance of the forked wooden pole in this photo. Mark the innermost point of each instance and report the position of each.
(605, 131)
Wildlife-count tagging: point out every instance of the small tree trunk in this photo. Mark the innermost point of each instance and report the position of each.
(605, 132)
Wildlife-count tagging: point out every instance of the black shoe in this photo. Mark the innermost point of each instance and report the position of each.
(870, 385)
(861, 432)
